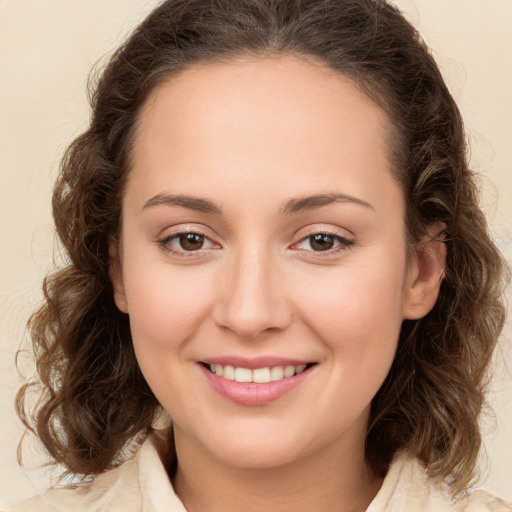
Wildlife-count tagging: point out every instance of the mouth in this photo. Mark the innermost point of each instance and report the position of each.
(255, 382)
(262, 375)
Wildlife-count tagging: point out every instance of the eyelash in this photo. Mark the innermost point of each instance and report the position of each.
(343, 243)
(165, 244)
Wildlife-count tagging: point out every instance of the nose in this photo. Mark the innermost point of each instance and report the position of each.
(251, 299)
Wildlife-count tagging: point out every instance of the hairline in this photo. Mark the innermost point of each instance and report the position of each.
(393, 136)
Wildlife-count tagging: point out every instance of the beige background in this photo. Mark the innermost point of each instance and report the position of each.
(46, 51)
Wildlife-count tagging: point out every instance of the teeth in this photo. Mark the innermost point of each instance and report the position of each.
(259, 375)
(276, 373)
(228, 372)
(289, 371)
(243, 375)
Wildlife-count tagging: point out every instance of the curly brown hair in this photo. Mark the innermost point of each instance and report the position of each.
(93, 395)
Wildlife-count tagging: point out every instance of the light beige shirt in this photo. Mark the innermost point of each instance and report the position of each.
(141, 484)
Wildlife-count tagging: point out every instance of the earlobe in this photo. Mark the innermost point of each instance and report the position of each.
(116, 278)
(425, 273)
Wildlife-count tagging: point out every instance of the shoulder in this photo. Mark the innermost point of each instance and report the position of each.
(407, 487)
(116, 490)
(481, 501)
(139, 484)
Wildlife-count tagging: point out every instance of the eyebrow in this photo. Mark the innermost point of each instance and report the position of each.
(317, 201)
(192, 203)
(292, 206)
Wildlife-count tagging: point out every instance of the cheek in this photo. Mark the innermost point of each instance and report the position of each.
(356, 309)
(166, 305)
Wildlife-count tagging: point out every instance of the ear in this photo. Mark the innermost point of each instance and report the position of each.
(116, 277)
(425, 273)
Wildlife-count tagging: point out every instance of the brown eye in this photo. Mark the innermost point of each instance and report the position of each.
(186, 243)
(191, 241)
(329, 243)
(321, 242)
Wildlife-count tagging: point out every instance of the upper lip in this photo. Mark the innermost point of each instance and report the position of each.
(254, 362)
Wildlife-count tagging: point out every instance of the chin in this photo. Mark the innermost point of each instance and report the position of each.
(259, 450)
(259, 457)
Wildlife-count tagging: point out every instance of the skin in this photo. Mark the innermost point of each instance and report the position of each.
(250, 136)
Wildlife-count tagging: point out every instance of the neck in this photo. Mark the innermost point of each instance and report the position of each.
(331, 479)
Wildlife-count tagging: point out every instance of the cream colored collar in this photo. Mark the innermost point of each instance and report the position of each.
(141, 484)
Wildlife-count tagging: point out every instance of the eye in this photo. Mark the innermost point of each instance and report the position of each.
(323, 242)
(186, 242)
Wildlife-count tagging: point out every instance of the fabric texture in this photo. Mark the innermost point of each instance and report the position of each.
(141, 484)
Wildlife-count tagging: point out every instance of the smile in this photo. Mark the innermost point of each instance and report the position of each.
(263, 382)
(257, 375)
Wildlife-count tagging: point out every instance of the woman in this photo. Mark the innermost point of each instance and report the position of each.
(273, 237)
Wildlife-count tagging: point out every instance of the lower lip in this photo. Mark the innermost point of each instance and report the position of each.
(251, 393)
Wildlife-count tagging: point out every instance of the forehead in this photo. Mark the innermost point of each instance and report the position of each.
(260, 89)
(252, 121)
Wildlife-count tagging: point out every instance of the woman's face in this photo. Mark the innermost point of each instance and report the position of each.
(263, 236)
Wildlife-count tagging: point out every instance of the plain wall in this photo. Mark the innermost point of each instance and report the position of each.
(46, 51)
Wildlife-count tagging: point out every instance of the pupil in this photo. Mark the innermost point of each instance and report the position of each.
(191, 241)
(322, 242)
